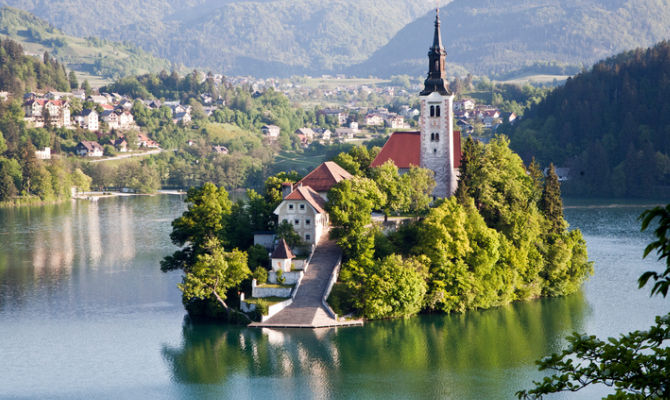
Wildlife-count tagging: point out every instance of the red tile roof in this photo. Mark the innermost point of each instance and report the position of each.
(310, 195)
(324, 177)
(404, 148)
(457, 149)
(283, 251)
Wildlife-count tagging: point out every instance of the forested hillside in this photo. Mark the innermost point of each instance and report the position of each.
(20, 73)
(499, 37)
(610, 125)
(271, 37)
(89, 55)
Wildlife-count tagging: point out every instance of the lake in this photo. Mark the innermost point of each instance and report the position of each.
(85, 313)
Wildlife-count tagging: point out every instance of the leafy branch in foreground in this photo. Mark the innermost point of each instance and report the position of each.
(637, 364)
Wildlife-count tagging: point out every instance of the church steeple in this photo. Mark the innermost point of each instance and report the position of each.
(436, 80)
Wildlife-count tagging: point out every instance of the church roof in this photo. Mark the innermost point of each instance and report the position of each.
(324, 177)
(309, 195)
(404, 148)
(283, 251)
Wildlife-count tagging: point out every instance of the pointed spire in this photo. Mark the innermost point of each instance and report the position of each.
(436, 80)
(437, 37)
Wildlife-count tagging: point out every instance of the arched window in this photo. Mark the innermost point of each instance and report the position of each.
(437, 111)
(432, 111)
(437, 137)
(432, 137)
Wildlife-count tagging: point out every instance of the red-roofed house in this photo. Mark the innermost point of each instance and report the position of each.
(304, 208)
(324, 177)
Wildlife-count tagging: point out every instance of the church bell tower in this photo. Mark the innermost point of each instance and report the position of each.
(437, 130)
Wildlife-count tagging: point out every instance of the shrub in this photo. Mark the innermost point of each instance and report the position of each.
(261, 275)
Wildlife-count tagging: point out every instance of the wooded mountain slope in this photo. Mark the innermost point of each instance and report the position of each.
(610, 125)
(270, 37)
(90, 55)
(537, 36)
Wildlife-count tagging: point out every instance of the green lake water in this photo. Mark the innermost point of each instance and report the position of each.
(85, 313)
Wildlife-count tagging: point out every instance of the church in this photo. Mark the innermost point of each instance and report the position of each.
(436, 146)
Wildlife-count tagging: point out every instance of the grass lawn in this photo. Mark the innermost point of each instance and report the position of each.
(269, 300)
(334, 82)
(276, 286)
(288, 161)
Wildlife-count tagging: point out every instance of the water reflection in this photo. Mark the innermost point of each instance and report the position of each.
(42, 247)
(462, 355)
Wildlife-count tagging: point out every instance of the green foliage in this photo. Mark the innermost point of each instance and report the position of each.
(285, 231)
(609, 125)
(551, 203)
(20, 73)
(394, 288)
(260, 274)
(636, 364)
(280, 277)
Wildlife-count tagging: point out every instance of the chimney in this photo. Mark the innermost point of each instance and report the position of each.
(286, 189)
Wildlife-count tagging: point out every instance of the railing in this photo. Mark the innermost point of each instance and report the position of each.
(331, 283)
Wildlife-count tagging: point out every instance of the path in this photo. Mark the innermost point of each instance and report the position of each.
(307, 310)
(129, 155)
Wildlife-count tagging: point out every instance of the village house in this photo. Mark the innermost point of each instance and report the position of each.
(88, 119)
(44, 154)
(271, 131)
(282, 257)
(374, 120)
(395, 122)
(58, 112)
(87, 148)
(144, 141)
(305, 210)
(111, 118)
(220, 149)
(464, 105)
(339, 116)
(304, 203)
(126, 119)
(121, 145)
(307, 133)
(183, 117)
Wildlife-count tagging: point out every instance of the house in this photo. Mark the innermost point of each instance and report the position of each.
(4, 95)
(144, 141)
(308, 133)
(395, 122)
(281, 257)
(464, 105)
(126, 119)
(326, 134)
(305, 210)
(436, 146)
(324, 177)
(88, 119)
(220, 149)
(270, 131)
(44, 154)
(184, 117)
(374, 120)
(111, 118)
(97, 99)
(344, 133)
(58, 112)
(87, 148)
(121, 145)
(339, 116)
(562, 173)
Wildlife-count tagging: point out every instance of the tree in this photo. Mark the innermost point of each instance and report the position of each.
(214, 273)
(74, 83)
(551, 203)
(637, 364)
(394, 288)
(86, 87)
(285, 231)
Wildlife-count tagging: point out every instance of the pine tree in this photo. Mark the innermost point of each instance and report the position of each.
(72, 77)
(7, 187)
(551, 203)
(535, 173)
(464, 173)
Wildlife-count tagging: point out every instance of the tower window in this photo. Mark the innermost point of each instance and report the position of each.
(437, 137)
(432, 111)
(432, 137)
(437, 111)
(435, 151)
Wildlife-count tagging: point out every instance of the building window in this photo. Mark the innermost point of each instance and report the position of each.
(296, 222)
(435, 151)
(302, 206)
(437, 137)
(307, 221)
(432, 111)
(432, 137)
(290, 206)
(307, 237)
(437, 111)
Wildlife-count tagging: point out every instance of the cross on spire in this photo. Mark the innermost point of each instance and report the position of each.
(436, 80)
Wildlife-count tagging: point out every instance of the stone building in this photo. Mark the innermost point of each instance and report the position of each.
(436, 146)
